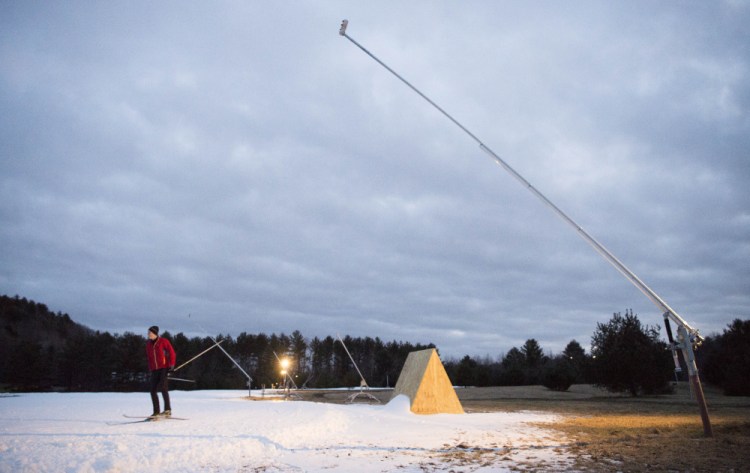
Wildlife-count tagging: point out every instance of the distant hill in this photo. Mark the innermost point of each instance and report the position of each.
(33, 342)
(25, 320)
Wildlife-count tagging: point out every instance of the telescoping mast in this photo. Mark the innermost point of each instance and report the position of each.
(687, 336)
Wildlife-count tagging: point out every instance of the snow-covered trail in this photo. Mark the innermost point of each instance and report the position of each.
(226, 432)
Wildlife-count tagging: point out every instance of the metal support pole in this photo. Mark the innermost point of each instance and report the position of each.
(199, 354)
(363, 386)
(249, 379)
(672, 346)
(686, 345)
(218, 344)
(362, 378)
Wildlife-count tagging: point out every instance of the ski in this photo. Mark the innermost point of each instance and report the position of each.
(129, 422)
(153, 418)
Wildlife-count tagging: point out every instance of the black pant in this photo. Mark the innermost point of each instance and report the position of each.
(159, 383)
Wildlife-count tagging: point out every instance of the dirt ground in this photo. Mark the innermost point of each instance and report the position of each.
(611, 433)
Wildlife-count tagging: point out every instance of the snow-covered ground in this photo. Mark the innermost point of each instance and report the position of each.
(226, 432)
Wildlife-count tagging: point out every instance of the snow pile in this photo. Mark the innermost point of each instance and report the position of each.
(226, 432)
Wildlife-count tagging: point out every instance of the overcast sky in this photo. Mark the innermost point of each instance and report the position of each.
(243, 163)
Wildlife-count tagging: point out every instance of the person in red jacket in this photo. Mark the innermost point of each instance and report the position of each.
(161, 359)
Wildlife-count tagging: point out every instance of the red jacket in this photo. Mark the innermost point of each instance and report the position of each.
(160, 354)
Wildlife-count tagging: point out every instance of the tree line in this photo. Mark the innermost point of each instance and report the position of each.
(626, 356)
(41, 350)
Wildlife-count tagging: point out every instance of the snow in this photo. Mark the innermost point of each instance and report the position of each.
(227, 432)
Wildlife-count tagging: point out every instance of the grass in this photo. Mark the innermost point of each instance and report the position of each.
(648, 442)
(610, 433)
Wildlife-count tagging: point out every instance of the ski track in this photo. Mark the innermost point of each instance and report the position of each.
(226, 432)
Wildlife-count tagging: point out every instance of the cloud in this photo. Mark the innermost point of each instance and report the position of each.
(248, 166)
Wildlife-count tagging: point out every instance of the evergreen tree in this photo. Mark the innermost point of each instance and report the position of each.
(579, 361)
(513, 368)
(728, 359)
(558, 374)
(465, 373)
(629, 357)
(298, 351)
(533, 354)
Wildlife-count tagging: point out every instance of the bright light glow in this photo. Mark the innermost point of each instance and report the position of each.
(284, 363)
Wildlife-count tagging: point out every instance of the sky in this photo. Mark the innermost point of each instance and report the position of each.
(233, 167)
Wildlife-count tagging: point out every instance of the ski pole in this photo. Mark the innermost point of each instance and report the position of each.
(181, 379)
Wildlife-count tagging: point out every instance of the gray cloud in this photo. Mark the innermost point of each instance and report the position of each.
(248, 166)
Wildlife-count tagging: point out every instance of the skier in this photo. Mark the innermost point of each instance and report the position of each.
(161, 359)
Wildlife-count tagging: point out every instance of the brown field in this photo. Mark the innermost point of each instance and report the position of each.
(611, 433)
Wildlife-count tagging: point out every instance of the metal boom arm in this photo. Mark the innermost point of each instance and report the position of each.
(658, 301)
(688, 335)
(216, 344)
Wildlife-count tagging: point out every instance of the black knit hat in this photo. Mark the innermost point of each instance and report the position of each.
(154, 329)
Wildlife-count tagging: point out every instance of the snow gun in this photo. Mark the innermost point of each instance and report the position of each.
(688, 337)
